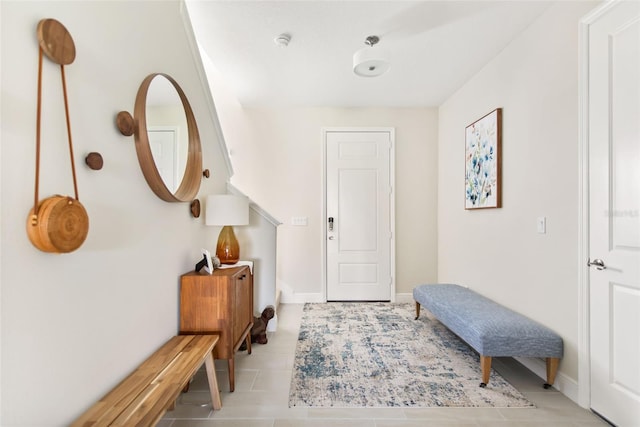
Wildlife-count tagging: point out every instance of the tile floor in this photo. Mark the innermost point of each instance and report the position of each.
(262, 393)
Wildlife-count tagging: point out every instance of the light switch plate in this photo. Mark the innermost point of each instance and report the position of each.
(541, 224)
(299, 220)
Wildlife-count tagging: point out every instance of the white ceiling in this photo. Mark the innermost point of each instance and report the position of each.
(434, 47)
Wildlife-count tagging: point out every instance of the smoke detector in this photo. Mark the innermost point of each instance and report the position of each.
(282, 40)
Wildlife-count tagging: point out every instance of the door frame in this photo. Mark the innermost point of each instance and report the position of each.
(392, 213)
(584, 310)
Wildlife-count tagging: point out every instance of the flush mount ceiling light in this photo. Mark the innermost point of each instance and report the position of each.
(370, 61)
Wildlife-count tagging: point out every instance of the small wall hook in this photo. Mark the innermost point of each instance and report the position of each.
(94, 161)
(195, 208)
(126, 124)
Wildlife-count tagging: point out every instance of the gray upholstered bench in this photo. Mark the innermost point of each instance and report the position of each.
(490, 328)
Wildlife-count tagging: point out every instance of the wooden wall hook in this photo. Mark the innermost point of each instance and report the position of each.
(94, 161)
(126, 124)
(195, 208)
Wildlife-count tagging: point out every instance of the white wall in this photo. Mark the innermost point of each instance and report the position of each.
(258, 243)
(73, 325)
(278, 162)
(498, 251)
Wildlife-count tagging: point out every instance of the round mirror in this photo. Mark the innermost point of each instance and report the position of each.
(167, 131)
(167, 139)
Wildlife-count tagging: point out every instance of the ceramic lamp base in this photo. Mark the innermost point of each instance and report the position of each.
(228, 249)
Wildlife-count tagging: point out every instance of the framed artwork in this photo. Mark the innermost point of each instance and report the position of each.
(207, 256)
(205, 263)
(482, 170)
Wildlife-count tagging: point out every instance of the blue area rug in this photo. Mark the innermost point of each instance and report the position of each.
(377, 355)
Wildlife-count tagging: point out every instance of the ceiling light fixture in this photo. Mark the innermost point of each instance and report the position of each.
(370, 61)
(282, 40)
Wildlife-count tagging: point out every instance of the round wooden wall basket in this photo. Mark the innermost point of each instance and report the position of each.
(61, 225)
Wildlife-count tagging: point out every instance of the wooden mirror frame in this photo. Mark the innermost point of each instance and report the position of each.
(137, 126)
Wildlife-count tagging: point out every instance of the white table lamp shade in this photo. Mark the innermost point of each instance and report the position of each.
(227, 209)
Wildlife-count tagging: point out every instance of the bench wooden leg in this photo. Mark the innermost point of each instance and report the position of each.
(213, 382)
(417, 310)
(552, 370)
(485, 365)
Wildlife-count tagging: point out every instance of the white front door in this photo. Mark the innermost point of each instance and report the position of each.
(359, 215)
(614, 213)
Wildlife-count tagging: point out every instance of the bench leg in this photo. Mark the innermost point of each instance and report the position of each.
(213, 382)
(485, 365)
(417, 310)
(552, 370)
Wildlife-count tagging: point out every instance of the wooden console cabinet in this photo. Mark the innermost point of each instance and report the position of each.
(221, 304)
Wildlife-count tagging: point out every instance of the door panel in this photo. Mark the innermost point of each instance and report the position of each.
(357, 223)
(624, 307)
(625, 130)
(614, 215)
(163, 143)
(359, 202)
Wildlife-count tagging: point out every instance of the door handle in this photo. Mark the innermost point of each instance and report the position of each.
(598, 263)
(331, 237)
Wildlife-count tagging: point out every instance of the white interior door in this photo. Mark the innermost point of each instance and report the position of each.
(614, 214)
(359, 215)
(163, 142)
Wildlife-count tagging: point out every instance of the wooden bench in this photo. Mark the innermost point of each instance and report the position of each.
(142, 398)
(490, 328)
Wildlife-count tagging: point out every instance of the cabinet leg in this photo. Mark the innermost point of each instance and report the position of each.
(248, 341)
(232, 374)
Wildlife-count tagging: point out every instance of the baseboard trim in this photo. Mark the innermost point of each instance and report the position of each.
(300, 298)
(404, 297)
(278, 298)
(272, 326)
(564, 384)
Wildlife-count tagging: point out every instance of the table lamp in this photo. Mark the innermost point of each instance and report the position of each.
(227, 210)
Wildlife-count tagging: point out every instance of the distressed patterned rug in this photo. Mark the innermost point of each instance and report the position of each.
(377, 355)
